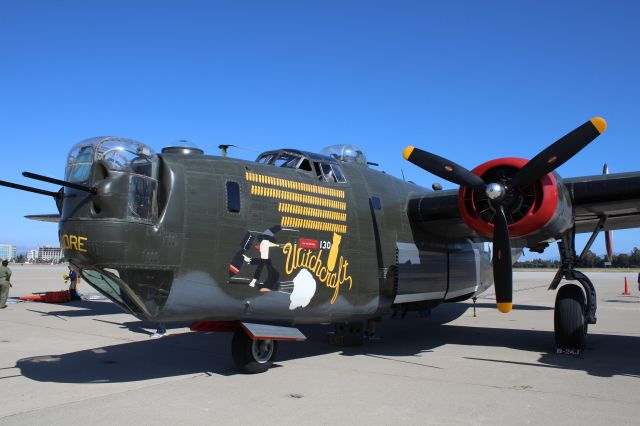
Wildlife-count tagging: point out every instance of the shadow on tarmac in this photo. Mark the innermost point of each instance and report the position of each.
(89, 308)
(143, 327)
(516, 307)
(209, 353)
(174, 355)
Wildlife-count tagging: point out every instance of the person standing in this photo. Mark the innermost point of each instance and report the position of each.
(5, 283)
(161, 330)
(73, 284)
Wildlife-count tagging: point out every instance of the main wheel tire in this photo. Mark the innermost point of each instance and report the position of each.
(252, 356)
(570, 324)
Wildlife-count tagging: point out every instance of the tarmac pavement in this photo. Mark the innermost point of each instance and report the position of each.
(86, 361)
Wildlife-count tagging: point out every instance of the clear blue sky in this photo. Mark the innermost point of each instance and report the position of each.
(468, 80)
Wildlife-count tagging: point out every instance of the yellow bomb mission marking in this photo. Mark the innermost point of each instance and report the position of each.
(290, 184)
(73, 242)
(298, 257)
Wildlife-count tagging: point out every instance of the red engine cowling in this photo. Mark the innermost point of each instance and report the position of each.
(536, 213)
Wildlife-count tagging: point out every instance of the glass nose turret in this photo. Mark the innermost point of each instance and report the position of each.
(124, 169)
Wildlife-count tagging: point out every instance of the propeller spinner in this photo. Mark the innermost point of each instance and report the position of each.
(501, 191)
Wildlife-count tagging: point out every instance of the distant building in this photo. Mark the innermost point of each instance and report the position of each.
(8, 252)
(32, 255)
(49, 254)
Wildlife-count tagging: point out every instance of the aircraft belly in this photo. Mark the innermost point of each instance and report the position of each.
(197, 296)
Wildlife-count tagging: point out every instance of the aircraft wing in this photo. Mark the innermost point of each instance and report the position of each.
(55, 217)
(616, 196)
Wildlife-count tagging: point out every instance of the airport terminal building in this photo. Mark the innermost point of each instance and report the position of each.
(49, 254)
(7, 251)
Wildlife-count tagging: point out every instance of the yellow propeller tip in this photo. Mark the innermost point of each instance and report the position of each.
(505, 307)
(599, 124)
(407, 152)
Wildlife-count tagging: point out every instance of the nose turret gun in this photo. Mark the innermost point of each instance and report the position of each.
(90, 189)
(56, 195)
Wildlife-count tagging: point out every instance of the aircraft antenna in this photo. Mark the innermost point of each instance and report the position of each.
(224, 149)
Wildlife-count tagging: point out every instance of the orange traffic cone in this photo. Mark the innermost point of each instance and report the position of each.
(626, 287)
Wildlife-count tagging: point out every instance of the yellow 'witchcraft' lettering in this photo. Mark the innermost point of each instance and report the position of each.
(298, 257)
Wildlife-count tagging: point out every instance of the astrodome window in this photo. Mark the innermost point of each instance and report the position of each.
(346, 153)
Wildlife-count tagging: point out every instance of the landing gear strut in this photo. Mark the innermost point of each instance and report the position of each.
(573, 312)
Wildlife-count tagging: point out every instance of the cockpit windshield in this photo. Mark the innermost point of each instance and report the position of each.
(285, 159)
(115, 153)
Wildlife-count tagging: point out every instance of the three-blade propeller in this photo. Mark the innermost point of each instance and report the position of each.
(545, 162)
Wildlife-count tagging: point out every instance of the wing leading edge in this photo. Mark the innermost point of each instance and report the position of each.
(55, 217)
(616, 196)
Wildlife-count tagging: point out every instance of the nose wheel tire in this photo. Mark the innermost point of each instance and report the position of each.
(252, 356)
(570, 324)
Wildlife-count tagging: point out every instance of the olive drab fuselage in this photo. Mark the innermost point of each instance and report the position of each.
(197, 237)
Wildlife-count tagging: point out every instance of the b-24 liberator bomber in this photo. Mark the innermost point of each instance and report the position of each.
(296, 237)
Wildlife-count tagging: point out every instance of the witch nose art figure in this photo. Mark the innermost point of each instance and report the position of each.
(267, 240)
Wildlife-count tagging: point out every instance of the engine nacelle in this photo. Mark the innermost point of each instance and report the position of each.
(535, 214)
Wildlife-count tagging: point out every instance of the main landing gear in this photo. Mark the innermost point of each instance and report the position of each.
(252, 356)
(569, 320)
(575, 307)
(253, 346)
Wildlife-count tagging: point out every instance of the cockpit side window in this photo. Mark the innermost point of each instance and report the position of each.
(329, 173)
(305, 165)
(337, 172)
